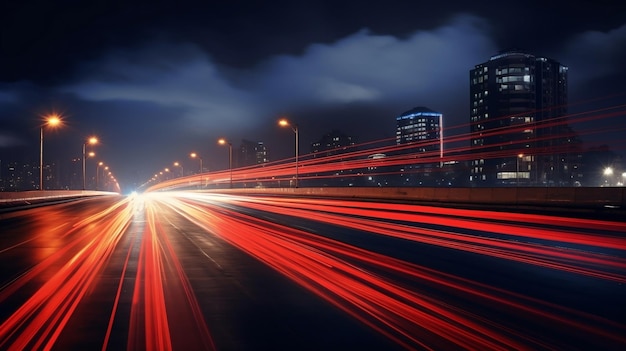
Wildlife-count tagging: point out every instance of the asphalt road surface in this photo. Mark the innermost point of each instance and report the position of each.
(193, 271)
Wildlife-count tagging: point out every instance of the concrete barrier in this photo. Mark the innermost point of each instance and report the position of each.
(561, 197)
(20, 196)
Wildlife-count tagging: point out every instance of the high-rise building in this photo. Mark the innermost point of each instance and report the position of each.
(519, 135)
(419, 130)
(20, 176)
(332, 143)
(420, 125)
(252, 153)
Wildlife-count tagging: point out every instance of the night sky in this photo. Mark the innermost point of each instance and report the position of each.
(158, 80)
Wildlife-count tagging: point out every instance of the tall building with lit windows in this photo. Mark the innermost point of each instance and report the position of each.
(333, 142)
(419, 132)
(519, 135)
(252, 153)
(420, 125)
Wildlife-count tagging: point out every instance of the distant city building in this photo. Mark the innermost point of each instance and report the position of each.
(377, 173)
(51, 177)
(17, 176)
(73, 174)
(332, 143)
(252, 153)
(24, 176)
(420, 125)
(518, 103)
(420, 131)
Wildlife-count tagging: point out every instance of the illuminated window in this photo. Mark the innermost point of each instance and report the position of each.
(507, 175)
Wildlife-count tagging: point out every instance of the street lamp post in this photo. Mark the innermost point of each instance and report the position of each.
(90, 141)
(182, 171)
(100, 164)
(195, 155)
(110, 177)
(51, 121)
(519, 157)
(230, 158)
(106, 183)
(285, 123)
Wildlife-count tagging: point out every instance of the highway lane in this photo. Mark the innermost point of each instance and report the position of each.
(204, 271)
(157, 282)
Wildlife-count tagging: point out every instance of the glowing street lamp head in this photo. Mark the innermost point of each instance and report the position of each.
(193, 155)
(53, 120)
(176, 164)
(100, 163)
(520, 155)
(91, 154)
(92, 140)
(222, 141)
(283, 123)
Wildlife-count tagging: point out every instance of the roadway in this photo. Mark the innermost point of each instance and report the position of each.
(206, 271)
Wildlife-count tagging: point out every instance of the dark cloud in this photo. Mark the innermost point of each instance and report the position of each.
(423, 68)
(594, 54)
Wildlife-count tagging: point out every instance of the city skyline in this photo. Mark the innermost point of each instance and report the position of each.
(161, 91)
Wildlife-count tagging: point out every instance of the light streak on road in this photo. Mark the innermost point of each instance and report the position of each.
(409, 317)
(417, 300)
(158, 265)
(68, 274)
(507, 246)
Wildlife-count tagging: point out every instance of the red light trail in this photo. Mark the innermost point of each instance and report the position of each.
(417, 306)
(355, 160)
(318, 263)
